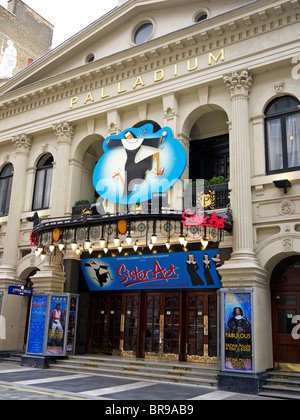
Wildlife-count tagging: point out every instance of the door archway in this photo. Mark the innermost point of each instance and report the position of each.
(285, 293)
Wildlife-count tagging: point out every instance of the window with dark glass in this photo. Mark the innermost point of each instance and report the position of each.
(6, 179)
(143, 33)
(209, 158)
(201, 17)
(283, 135)
(43, 181)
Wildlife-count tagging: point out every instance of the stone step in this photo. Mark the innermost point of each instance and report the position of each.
(283, 385)
(281, 392)
(11, 357)
(150, 370)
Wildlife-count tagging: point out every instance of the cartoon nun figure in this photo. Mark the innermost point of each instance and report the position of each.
(102, 272)
(192, 268)
(207, 273)
(135, 172)
(218, 263)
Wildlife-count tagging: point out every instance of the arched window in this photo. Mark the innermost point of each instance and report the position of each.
(6, 179)
(43, 181)
(283, 135)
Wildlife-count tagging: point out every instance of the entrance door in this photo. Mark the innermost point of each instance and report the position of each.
(201, 327)
(285, 286)
(178, 325)
(162, 315)
(113, 323)
(285, 307)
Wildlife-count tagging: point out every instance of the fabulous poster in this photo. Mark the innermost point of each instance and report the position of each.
(238, 331)
(178, 270)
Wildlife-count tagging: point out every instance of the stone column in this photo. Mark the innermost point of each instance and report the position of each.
(243, 269)
(64, 132)
(239, 85)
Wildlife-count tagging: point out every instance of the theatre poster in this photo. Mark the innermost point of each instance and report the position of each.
(237, 331)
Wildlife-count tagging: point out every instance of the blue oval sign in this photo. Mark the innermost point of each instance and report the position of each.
(138, 163)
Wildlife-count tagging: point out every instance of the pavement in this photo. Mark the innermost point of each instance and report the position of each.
(23, 383)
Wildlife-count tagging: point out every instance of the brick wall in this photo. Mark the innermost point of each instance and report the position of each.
(30, 33)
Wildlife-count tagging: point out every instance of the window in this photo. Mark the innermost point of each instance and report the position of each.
(6, 179)
(209, 158)
(143, 33)
(43, 180)
(90, 58)
(201, 16)
(283, 135)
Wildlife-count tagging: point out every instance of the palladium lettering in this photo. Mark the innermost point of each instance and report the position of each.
(140, 81)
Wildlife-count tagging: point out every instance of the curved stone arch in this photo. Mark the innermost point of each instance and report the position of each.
(83, 145)
(35, 157)
(276, 248)
(11, 160)
(191, 118)
(77, 160)
(259, 105)
(27, 266)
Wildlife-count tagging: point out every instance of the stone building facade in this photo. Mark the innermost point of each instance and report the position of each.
(224, 78)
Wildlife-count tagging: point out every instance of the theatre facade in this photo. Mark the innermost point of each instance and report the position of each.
(149, 195)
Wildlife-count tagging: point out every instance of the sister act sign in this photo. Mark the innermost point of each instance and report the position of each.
(181, 270)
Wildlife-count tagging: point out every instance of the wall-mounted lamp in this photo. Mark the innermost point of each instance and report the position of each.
(283, 184)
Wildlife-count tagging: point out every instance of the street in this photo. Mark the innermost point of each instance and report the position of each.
(22, 383)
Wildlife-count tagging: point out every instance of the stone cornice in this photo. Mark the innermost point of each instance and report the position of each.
(219, 32)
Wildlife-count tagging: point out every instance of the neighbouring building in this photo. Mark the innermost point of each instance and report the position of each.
(24, 37)
(125, 119)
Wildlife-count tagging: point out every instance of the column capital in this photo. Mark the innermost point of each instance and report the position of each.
(22, 143)
(64, 131)
(238, 83)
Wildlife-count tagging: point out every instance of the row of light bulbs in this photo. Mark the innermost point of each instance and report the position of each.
(88, 245)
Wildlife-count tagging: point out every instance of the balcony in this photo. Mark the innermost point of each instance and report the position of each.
(211, 197)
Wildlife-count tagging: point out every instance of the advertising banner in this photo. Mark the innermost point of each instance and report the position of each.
(36, 335)
(57, 324)
(178, 270)
(138, 163)
(238, 332)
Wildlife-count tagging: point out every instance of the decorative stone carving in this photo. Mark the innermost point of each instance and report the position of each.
(279, 88)
(287, 245)
(238, 83)
(64, 131)
(286, 207)
(22, 143)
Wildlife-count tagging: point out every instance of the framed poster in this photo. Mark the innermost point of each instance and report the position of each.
(71, 338)
(52, 325)
(57, 325)
(237, 331)
(35, 342)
